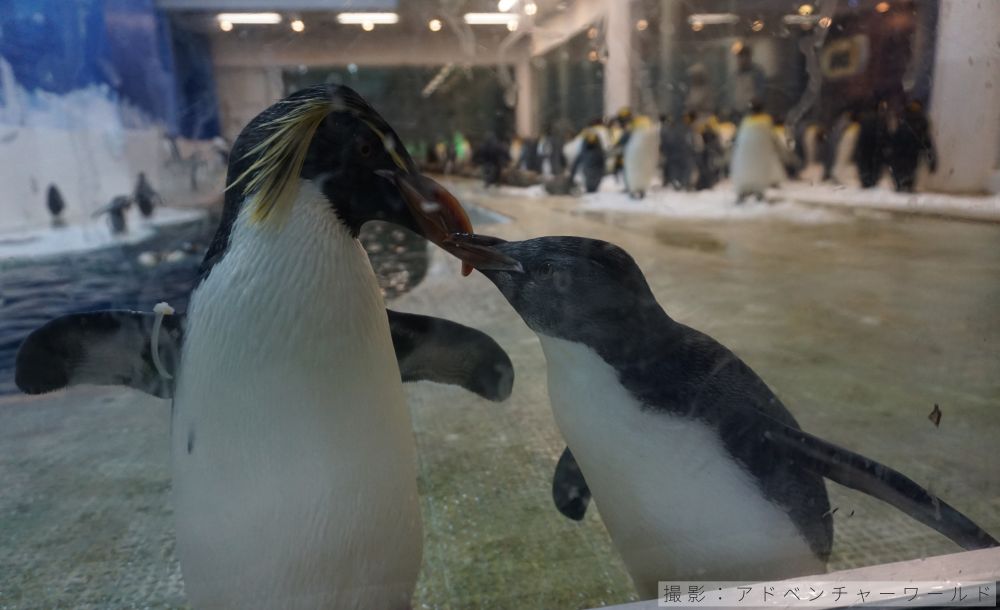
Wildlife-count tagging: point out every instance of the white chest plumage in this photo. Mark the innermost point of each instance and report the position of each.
(293, 452)
(676, 504)
(755, 165)
(641, 158)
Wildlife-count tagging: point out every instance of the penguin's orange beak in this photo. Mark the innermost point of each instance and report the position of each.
(441, 219)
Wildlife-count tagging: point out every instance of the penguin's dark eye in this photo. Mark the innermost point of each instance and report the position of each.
(544, 271)
(366, 149)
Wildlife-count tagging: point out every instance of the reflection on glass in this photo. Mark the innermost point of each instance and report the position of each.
(782, 273)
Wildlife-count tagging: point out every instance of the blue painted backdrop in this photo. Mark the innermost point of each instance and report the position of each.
(64, 45)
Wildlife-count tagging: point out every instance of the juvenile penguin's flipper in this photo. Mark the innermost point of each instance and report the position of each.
(433, 349)
(569, 489)
(877, 480)
(101, 348)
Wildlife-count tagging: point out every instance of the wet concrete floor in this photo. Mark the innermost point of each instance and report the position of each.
(860, 323)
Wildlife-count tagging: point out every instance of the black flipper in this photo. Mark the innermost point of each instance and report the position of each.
(102, 348)
(879, 481)
(569, 489)
(433, 349)
(114, 348)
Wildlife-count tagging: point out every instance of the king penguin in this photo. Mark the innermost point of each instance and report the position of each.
(294, 463)
(640, 155)
(756, 163)
(699, 470)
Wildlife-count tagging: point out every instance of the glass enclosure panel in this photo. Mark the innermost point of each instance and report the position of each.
(706, 290)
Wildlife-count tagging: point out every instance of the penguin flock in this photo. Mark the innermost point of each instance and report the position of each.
(293, 459)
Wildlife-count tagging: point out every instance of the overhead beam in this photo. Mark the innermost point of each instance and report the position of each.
(378, 48)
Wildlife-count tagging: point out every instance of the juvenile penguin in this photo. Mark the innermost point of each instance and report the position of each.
(756, 163)
(293, 456)
(700, 472)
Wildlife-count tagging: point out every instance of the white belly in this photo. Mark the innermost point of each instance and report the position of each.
(676, 505)
(640, 158)
(755, 165)
(299, 490)
(845, 171)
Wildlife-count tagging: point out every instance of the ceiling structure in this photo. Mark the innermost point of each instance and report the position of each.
(412, 40)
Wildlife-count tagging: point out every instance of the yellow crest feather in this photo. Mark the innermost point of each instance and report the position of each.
(274, 175)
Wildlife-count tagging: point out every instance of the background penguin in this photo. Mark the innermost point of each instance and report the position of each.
(56, 205)
(590, 159)
(293, 454)
(492, 156)
(640, 155)
(788, 155)
(810, 142)
(146, 198)
(677, 151)
(710, 152)
(700, 472)
(756, 164)
(872, 142)
(842, 145)
(116, 213)
(908, 144)
(595, 126)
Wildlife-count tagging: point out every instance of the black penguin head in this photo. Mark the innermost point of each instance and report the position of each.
(330, 136)
(573, 288)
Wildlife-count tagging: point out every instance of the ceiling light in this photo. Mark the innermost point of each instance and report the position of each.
(697, 26)
(434, 25)
(824, 22)
(757, 25)
(641, 25)
(714, 18)
(489, 18)
(530, 8)
(805, 10)
(298, 25)
(593, 56)
(367, 18)
(799, 19)
(367, 26)
(225, 26)
(882, 7)
(592, 33)
(249, 18)
(512, 25)
(505, 5)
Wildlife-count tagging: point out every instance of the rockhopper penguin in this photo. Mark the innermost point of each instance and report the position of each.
(700, 472)
(293, 456)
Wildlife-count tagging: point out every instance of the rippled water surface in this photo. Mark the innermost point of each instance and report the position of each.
(164, 268)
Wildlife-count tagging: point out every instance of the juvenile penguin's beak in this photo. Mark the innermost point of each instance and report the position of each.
(493, 245)
(440, 218)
